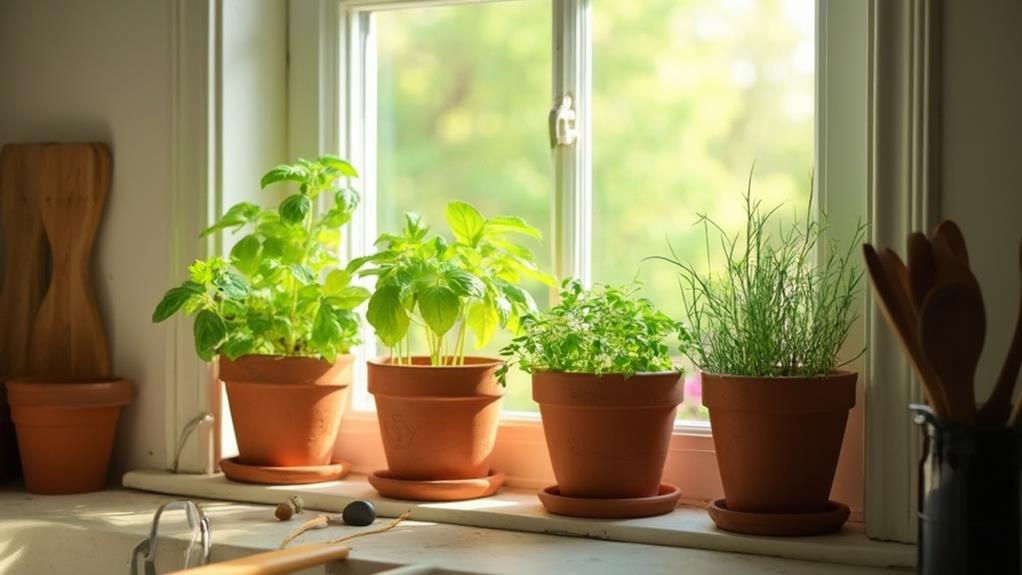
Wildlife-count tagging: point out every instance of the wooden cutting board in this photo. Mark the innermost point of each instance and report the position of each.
(68, 338)
(24, 244)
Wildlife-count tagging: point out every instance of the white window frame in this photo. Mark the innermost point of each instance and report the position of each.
(898, 44)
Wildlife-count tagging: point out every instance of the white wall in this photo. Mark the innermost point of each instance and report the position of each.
(100, 71)
(982, 157)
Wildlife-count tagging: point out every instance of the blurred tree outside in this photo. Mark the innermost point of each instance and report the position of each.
(687, 96)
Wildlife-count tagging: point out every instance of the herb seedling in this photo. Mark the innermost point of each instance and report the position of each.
(444, 287)
(774, 310)
(281, 292)
(603, 330)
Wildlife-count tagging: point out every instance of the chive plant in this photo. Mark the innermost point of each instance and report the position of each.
(775, 308)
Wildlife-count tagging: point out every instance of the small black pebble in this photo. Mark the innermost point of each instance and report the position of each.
(359, 513)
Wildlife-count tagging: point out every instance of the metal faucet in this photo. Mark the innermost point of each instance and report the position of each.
(197, 552)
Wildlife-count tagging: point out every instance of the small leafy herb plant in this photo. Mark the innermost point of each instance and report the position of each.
(448, 288)
(775, 309)
(281, 292)
(607, 329)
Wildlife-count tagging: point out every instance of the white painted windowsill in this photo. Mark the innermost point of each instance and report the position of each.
(520, 510)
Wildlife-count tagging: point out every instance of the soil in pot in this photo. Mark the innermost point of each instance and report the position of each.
(778, 439)
(66, 431)
(437, 422)
(608, 435)
(286, 410)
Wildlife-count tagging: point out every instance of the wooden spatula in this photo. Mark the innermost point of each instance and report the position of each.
(950, 234)
(68, 339)
(922, 268)
(896, 307)
(25, 256)
(952, 329)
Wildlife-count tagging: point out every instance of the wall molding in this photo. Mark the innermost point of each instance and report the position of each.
(195, 199)
(905, 155)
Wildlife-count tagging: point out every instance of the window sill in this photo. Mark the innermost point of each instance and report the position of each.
(519, 510)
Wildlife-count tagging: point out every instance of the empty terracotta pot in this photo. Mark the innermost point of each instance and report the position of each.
(778, 439)
(607, 435)
(66, 431)
(437, 422)
(286, 410)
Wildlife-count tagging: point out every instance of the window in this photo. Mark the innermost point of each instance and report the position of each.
(674, 102)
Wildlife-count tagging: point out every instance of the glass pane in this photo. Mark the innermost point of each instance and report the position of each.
(687, 96)
(463, 96)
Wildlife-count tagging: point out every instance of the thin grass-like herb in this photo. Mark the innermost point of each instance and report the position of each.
(775, 309)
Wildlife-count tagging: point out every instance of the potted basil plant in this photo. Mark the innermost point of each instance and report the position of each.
(438, 412)
(279, 315)
(608, 393)
(768, 329)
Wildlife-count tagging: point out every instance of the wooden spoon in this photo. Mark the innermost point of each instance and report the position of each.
(949, 233)
(952, 329)
(922, 268)
(896, 307)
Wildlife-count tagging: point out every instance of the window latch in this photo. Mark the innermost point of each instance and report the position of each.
(562, 123)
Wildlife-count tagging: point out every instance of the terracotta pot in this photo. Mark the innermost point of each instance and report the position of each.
(607, 435)
(286, 410)
(437, 422)
(66, 431)
(778, 439)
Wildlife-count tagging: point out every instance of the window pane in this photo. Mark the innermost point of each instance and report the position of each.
(463, 96)
(687, 95)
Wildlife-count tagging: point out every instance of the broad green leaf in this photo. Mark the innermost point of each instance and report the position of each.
(466, 222)
(239, 215)
(284, 172)
(245, 255)
(238, 345)
(350, 297)
(174, 299)
(325, 327)
(439, 307)
(210, 331)
(295, 208)
(335, 281)
(346, 200)
(387, 316)
(482, 320)
(336, 163)
(231, 285)
(464, 283)
(505, 224)
(302, 273)
(519, 296)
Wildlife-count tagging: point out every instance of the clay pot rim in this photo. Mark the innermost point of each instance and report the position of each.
(68, 392)
(589, 374)
(471, 362)
(836, 374)
(341, 357)
(644, 390)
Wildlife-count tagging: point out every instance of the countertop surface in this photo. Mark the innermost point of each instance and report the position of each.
(30, 535)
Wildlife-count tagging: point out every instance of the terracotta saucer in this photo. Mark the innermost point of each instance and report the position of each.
(663, 502)
(283, 475)
(783, 524)
(440, 490)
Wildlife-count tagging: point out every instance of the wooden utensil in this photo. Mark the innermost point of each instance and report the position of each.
(897, 309)
(922, 268)
(25, 259)
(950, 234)
(952, 327)
(68, 339)
(277, 562)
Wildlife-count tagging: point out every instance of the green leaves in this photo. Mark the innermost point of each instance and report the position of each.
(269, 298)
(604, 330)
(439, 307)
(294, 209)
(210, 331)
(469, 283)
(466, 222)
(387, 316)
(174, 299)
